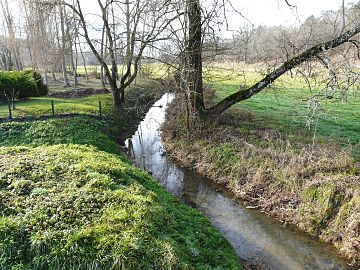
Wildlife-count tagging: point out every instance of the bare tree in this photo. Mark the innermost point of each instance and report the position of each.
(152, 16)
(12, 40)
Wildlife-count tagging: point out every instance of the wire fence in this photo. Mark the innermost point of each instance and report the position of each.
(11, 108)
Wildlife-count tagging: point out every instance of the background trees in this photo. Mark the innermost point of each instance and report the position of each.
(54, 36)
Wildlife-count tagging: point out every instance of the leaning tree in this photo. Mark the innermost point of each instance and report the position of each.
(319, 52)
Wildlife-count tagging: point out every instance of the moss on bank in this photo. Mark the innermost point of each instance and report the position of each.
(316, 188)
(68, 200)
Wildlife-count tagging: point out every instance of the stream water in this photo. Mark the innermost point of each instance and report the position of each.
(258, 239)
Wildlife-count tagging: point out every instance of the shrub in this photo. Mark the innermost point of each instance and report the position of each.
(24, 83)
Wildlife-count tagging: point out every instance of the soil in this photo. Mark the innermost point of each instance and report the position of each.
(79, 93)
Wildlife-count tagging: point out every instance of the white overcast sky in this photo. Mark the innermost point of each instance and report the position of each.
(266, 12)
(276, 12)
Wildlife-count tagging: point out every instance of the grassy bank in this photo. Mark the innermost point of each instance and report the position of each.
(315, 187)
(284, 107)
(69, 200)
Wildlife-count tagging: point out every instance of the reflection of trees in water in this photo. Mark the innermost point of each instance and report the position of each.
(258, 238)
(191, 185)
(146, 148)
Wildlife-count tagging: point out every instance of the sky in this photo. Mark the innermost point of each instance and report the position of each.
(265, 12)
(262, 12)
(276, 12)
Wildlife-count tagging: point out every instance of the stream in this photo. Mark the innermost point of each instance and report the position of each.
(258, 239)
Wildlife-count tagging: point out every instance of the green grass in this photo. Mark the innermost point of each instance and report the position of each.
(34, 107)
(284, 107)
(78, 130)
(68, 200)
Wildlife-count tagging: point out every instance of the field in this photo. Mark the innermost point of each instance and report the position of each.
(284, 107)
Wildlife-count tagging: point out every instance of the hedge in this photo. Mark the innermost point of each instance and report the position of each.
(25, 84)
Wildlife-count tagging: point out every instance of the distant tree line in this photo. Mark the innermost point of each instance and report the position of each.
(54, 34)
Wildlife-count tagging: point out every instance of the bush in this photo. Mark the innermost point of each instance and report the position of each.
(24, 83)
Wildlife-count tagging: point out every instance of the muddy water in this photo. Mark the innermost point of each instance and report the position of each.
(258, 239)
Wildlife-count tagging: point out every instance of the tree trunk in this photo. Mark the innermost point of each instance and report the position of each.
(46, 78)
(116, 97)
(122, 94)
(194, 55)
(63, 47)
(53, 74)
(74, 65)
(84, 62)
(102, 53)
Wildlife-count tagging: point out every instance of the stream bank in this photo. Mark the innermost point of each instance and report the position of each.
(259, 240)
(316, 189)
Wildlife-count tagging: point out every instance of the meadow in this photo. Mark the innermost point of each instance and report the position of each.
(284, 106)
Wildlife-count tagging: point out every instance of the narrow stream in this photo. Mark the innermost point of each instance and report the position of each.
(256, 238)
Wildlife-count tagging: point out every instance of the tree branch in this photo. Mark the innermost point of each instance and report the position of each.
(288, 65)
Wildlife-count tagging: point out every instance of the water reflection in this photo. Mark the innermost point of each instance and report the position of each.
(255, 237)
(146, 148)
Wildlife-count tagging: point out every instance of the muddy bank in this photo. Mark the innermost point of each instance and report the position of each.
(316, 189)
(79, 93)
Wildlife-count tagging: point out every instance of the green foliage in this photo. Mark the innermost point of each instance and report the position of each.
(24, 83)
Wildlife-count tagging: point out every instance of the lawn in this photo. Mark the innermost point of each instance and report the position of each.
(41, 106)
(284, 107)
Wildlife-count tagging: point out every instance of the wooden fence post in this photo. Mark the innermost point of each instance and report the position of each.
(10, 113)
(52, 107)
(100, 110)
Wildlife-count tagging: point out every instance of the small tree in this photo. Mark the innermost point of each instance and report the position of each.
(144, 22)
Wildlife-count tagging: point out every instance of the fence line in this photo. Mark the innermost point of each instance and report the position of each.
(53, 114)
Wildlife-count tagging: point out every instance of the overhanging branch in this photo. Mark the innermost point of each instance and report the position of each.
(288, 65)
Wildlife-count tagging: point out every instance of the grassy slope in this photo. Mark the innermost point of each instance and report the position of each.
(68, 200)
(262, 152)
